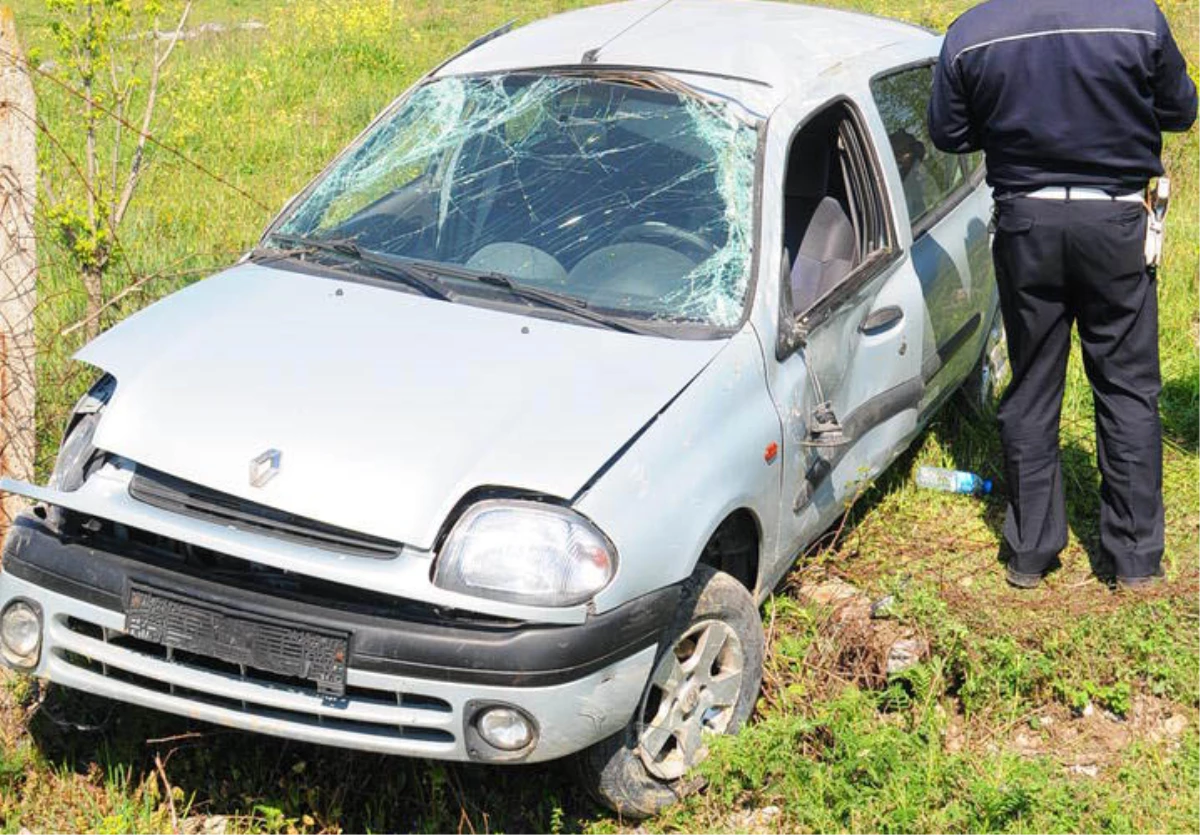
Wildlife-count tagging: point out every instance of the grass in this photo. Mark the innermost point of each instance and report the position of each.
(1069, 708)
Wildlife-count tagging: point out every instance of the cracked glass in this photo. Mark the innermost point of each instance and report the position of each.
(630, 195)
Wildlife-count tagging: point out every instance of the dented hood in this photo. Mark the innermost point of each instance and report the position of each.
(387, 407)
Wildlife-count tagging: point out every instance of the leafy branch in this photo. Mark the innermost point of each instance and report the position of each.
(87, 34)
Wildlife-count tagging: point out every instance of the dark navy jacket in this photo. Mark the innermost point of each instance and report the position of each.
(1061, 92)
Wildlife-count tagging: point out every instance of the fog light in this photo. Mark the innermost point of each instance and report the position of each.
(21, 634)
(504, 728)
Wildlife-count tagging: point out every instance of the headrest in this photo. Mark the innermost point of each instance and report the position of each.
(830, 234)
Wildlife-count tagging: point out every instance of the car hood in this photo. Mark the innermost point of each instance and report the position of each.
(387, 407)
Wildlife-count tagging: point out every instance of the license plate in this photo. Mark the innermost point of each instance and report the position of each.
(274, 646)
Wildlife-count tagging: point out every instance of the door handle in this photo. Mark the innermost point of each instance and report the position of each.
(883, 319)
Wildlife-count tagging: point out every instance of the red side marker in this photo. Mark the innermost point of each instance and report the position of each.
(770, 452)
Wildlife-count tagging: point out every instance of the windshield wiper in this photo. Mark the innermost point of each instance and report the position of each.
(546, 298)
(410, 273)
(423, 274)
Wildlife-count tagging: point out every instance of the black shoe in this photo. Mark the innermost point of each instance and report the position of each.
(1020, 580)
(1136, 584)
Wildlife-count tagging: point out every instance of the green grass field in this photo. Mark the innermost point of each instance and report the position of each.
(1069, 708)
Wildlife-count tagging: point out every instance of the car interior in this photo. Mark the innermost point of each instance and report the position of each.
(613, 197)
(820, 236)
(512, 220)
(616, 213)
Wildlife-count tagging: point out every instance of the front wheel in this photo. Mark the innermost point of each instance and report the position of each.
(705, 682)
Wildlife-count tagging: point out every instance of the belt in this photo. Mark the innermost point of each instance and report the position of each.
(1081, 193)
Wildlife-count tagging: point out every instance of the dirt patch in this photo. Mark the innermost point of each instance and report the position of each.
(1087, 742)
(857, 641)
(763, 820)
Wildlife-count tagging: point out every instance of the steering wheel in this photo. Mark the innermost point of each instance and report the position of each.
(664, 234)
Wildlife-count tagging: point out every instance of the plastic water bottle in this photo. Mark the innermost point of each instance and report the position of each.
(952, 481)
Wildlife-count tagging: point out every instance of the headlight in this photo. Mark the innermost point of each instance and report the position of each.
(70, 468)
(21, 634)
(525, 552)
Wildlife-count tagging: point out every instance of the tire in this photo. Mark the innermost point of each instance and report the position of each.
(645, 768)
(982, 389)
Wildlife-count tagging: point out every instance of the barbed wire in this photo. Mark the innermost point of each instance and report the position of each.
(136, 281)
(44, 129)
(136, 285)
(149, 137)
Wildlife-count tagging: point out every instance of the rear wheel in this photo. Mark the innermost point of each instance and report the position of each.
(705, 682)
(991, 374)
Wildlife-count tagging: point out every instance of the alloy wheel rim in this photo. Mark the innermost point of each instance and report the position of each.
(994, 372)
(694, 691)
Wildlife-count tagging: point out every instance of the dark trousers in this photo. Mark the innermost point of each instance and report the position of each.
(1059, 262)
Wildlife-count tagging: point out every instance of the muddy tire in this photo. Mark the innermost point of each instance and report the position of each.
(981, 391)
(705, 681)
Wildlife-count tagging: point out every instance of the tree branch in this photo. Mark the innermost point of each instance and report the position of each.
(135, 167)
(89, 116)
(120, 96)
(162, 773)
(176, 35)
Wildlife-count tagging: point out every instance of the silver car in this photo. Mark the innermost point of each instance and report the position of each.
(493, 446)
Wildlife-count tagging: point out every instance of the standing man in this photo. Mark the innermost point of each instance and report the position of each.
(1068, 98)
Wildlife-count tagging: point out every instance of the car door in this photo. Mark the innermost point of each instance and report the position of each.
(945, 207)
(847, 373)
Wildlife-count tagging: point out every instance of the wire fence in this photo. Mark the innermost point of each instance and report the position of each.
(40, 323)
(18, 270)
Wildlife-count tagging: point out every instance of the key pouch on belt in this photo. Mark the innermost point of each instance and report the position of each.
(1156, 206)
(1154, 244)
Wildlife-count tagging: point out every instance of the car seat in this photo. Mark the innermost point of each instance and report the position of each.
(825, 256)
(805, 186)
(818, 235)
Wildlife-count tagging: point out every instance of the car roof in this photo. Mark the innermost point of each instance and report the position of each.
(774, 47)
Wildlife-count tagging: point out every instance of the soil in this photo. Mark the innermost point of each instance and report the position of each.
(1083, 743)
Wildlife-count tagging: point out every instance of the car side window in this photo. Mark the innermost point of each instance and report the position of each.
(929, 176)
(834, 216)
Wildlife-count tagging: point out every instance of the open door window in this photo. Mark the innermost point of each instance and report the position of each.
(837, 230)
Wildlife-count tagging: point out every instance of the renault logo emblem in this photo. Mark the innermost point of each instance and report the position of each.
(265, 467)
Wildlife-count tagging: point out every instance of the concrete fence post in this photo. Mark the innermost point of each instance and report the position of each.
(18, 263)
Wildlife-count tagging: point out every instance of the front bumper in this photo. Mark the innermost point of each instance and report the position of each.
(411, 687)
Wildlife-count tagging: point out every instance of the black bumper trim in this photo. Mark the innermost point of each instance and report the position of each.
(522, 655)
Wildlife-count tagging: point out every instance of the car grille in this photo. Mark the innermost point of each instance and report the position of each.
(188, 560)
(179, 496)
(154, 668)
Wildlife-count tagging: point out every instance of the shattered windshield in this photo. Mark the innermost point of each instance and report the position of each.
(634, 200)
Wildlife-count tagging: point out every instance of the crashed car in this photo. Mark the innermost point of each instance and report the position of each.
(492, 447)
